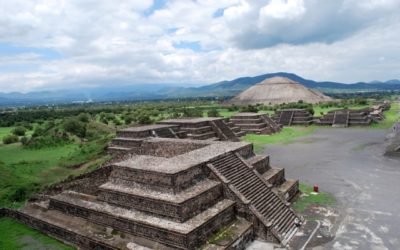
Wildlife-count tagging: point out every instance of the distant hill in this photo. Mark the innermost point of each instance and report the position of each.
(164, 91)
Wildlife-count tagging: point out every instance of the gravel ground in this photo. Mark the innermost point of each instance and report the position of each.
(349, 163)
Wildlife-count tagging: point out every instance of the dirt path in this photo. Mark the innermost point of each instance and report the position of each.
(349, 163)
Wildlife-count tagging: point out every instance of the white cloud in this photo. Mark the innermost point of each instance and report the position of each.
(104, 42)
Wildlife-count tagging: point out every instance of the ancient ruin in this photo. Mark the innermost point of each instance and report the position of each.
(278, 90)
(393, 148)
(169, 193)
(289, 117)
(255, 123)
(345, 118)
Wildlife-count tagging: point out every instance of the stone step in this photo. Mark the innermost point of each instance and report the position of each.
(203, 136)
(259, 162)
(126, 142)
(236, 235)
(253, 188)
(81, 233)
(118, 150)
(240, 134)
(238, 121)
(246, 126)
(185, 235)
(275, 176)
(176, 206)
(196, 131)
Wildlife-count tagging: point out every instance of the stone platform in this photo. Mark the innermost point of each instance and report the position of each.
(345, 118)
(171, 193)
(255, 123)
(289, 117)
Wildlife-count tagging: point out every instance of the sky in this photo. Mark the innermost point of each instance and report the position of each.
(71, 44)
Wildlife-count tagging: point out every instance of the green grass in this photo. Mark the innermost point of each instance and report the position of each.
(14, 235)
(26, 171)
(309, 198)
(391, 116)
(287, 135)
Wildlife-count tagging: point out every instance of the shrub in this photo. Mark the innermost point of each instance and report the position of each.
(192, 112)
(74, 126)
(213, 113)
(8, 139)
(19, 131)
(144, 119)
(249, 108)
(83, 117)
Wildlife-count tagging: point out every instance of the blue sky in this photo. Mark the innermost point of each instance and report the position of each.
(71, 44)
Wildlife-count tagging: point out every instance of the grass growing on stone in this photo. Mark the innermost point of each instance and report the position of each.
(222, 235)
(26, 171)
(391, 116)
(14, 235)
(308, 198)
(287, 135)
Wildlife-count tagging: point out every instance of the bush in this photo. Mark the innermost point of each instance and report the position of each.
(74, 126)
(8, 139)
(83, 117)
(144, 119)
(192, 112)
(24, 140)
(249, 108)
(213, 113)
(19, 131)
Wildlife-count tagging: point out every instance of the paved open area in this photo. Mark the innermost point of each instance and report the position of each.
(349, 163)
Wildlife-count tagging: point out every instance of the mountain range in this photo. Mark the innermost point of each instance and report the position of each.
(165, 91)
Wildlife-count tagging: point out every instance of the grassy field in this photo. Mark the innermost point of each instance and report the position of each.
(15, 236)
(25, 171)
(287, 135)
(308, 198)
(391, 116)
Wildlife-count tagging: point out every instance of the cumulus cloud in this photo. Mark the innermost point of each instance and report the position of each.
(105, 43)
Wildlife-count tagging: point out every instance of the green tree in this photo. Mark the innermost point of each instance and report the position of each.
(213, 113)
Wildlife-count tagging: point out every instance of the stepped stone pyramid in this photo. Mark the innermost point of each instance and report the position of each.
(170, 193)
(289, 117)
(255, 123)
(345, 118)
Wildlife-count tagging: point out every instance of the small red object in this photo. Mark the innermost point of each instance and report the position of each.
(316, 188)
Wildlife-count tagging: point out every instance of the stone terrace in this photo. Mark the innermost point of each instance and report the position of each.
(207, 128)
(172, 193)
(255, 123)
(345, 118)
(289, 117)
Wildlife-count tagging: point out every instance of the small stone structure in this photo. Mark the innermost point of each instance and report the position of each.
(289, 117)
(255, 123)
(211, 128)
(171, 193)
(393, 149)
(345, 118)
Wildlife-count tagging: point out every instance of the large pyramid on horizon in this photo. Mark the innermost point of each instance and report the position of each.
(277, 90)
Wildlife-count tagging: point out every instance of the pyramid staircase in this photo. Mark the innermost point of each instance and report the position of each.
(211, 128)
(345, 118)
(255, 123)
(255, 192)
(289, 117)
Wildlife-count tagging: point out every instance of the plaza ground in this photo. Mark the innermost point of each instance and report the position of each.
(349, 164)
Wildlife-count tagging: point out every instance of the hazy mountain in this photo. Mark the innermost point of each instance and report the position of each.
(162, 91)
